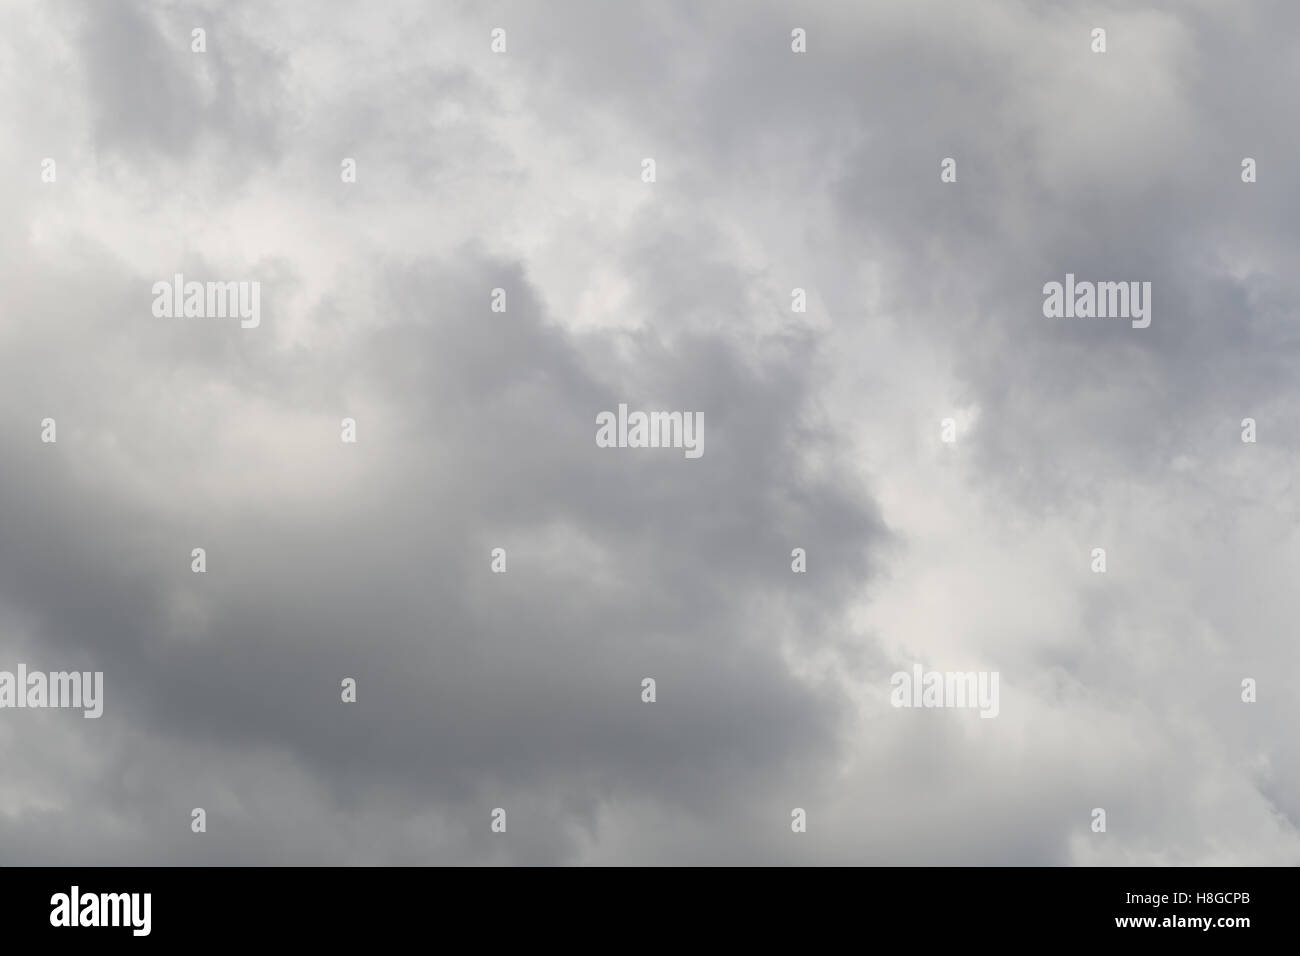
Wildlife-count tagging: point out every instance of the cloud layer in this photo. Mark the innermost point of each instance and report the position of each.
(522, 171)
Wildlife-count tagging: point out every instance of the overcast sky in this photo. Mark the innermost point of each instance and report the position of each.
(775, 170)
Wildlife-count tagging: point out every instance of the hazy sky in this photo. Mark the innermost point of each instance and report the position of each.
(775, 170)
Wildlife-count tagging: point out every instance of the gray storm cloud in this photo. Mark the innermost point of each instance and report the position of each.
(521, 171)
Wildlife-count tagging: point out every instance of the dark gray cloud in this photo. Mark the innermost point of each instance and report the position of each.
(476, 430)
